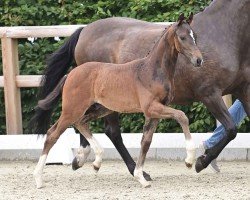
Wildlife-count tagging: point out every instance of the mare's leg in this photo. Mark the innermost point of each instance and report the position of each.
(243, 93)
(98, 150)
(94, 112)
(216, 105)
(237, 113)
(148, 130)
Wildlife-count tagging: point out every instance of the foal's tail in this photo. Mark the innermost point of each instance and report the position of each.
(40, 122)
(57, 66)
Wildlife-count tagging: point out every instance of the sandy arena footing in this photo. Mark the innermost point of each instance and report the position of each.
(171, 180)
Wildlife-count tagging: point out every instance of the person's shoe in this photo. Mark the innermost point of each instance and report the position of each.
(213, 165)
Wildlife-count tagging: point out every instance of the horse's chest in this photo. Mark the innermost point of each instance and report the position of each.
(164, 90)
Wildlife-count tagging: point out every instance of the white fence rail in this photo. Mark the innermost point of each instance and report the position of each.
(164, 146)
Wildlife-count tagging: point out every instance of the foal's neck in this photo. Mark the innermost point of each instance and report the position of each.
(164, 56)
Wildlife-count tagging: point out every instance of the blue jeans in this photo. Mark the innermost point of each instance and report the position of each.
(238, 114)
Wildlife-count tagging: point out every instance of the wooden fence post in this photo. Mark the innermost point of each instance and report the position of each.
(11, 91)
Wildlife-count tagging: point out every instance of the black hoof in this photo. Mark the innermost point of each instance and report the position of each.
(75, 165)
(198, 165)
(147, 176)
(188, 165)
(96, 168)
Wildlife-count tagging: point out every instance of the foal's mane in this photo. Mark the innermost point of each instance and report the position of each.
(163, 33)
(157, 42)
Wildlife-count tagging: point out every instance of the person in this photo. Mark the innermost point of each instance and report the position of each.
(238, 114)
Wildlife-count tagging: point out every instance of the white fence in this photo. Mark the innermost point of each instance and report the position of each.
(164, 146)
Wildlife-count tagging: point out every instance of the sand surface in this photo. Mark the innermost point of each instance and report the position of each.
(171, 180)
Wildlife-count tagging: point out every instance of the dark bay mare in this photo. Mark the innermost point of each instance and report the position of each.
(147, 86)
(222, 34)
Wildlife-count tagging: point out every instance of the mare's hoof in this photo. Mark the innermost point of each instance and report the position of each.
(75, 164)
(188, 165)
(198, 165)
(147, 176)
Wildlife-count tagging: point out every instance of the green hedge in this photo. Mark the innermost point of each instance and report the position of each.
(52, 12)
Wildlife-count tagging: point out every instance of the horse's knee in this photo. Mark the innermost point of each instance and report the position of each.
(154, 111)
(232, 133)
(181, 117)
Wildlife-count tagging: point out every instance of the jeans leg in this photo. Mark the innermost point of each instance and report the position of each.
(238, 114)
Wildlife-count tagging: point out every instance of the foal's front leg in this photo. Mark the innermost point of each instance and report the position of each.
(148, 130)
(157, 110)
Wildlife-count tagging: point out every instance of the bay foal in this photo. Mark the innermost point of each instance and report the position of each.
(143, 85)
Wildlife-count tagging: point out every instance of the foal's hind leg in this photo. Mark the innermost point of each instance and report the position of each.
(52, 136)
(73, 107)
(94, 112)
(84, 129)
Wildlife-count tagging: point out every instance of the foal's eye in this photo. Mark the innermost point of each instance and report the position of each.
(182, 38)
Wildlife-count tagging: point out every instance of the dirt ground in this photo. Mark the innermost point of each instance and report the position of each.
(171, 180)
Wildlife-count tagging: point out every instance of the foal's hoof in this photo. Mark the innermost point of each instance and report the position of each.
(146, 185)
(39, 181)
(147, 176)
(142, 181)
(188, 165)
(198, 165)
(96, 169)
(40, 186)
(75, 164)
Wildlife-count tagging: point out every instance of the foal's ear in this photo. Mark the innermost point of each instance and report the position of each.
(180, 19)
(190, 18)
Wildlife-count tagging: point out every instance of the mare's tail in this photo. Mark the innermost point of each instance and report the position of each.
(57, 66)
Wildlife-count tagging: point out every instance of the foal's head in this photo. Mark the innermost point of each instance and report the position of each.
(183, 39)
